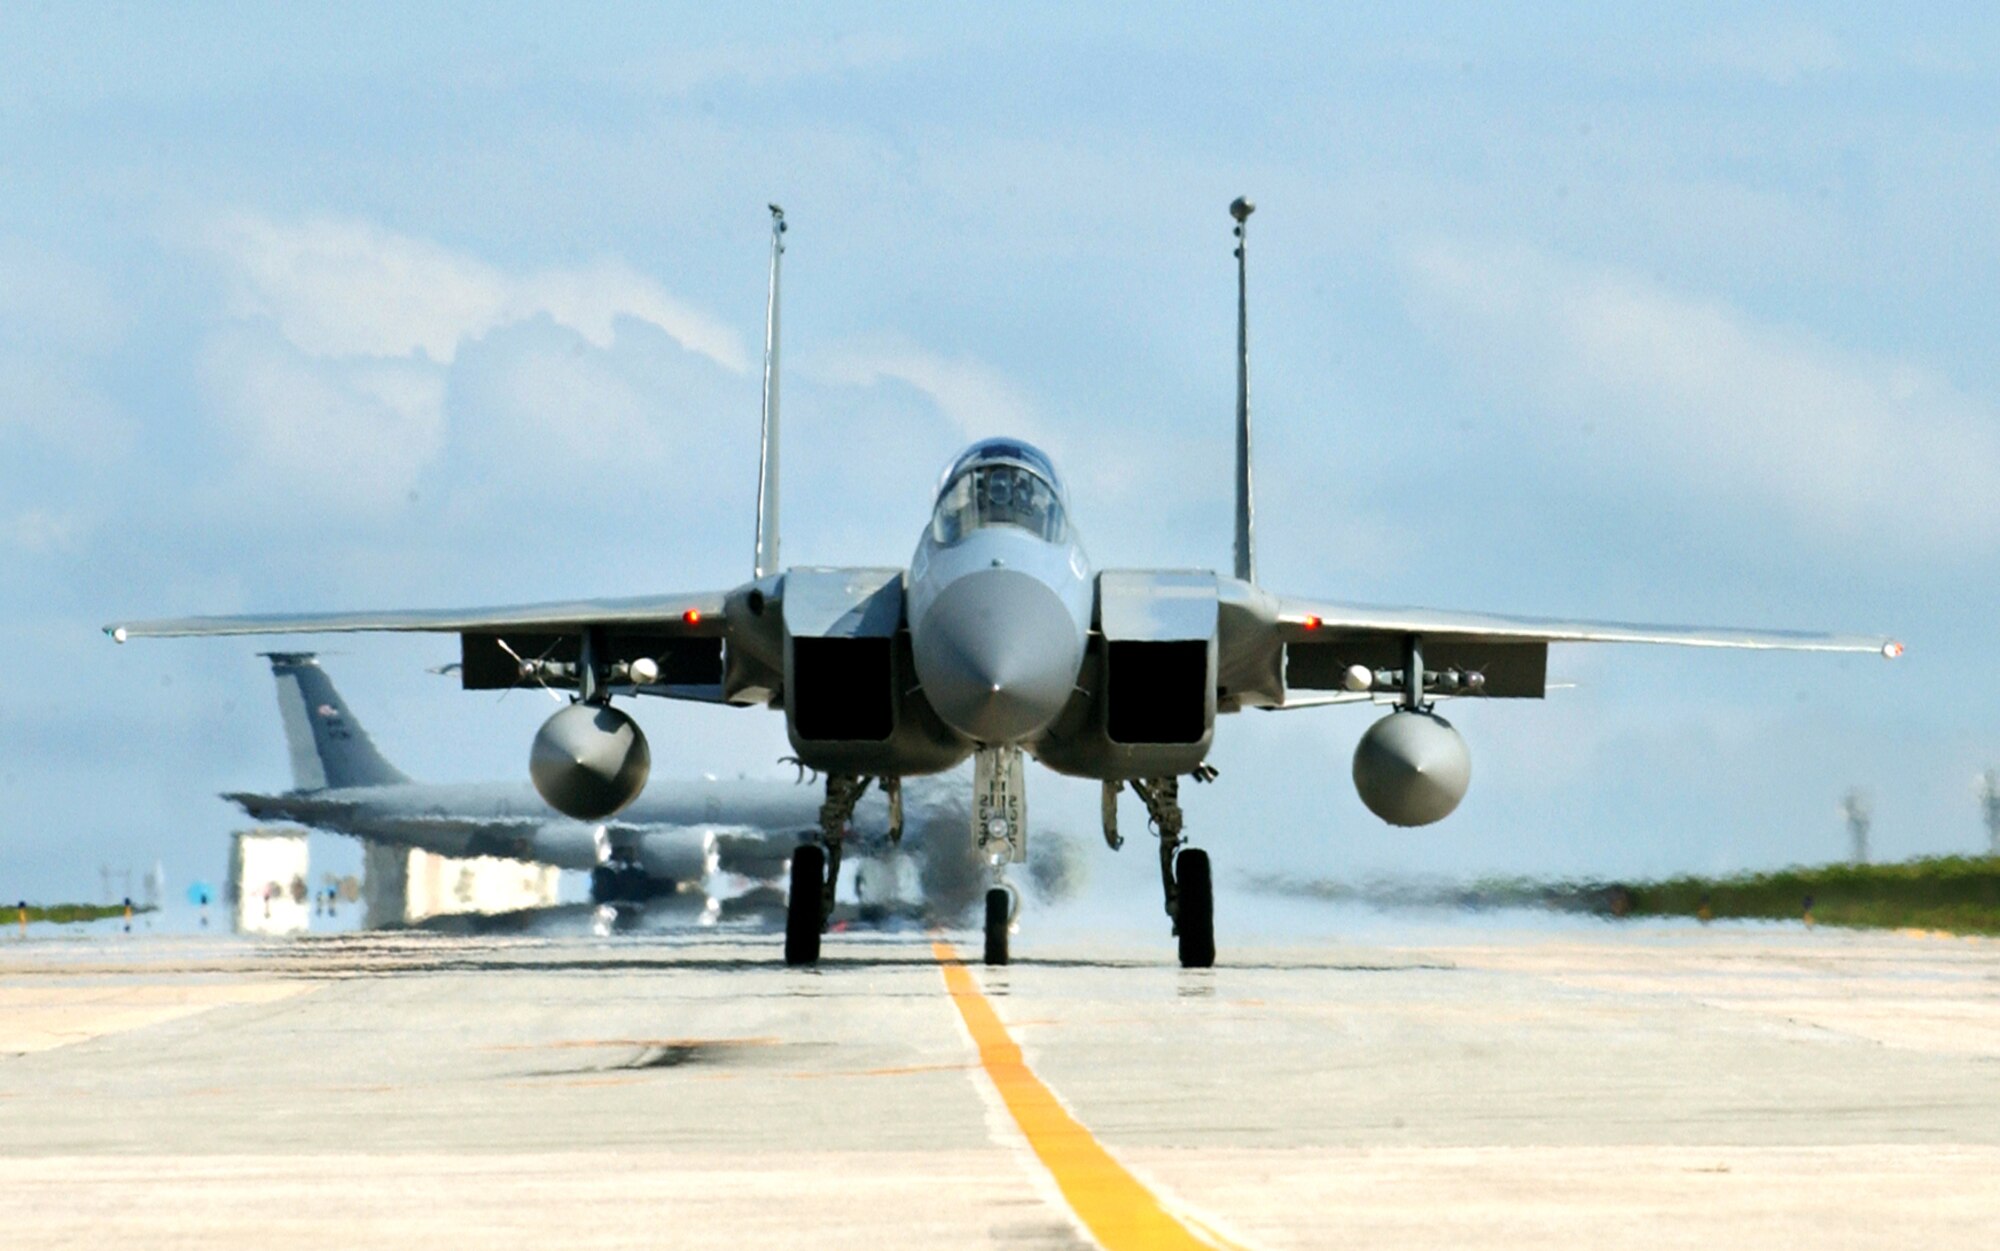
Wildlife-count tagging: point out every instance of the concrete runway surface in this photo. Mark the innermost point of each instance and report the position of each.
(1490, 1083)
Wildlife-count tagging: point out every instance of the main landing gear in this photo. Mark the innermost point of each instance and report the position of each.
(1184, 871)
(816, 866)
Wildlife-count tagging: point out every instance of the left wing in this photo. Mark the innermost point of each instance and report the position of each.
(1286, 652)
(1307, 621)
(1363, 648)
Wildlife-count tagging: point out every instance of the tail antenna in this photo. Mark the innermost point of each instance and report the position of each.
(767, 465)
(1246, 549)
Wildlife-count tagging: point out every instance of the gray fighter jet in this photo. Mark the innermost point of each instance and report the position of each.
(678, 834)
(1001, 639)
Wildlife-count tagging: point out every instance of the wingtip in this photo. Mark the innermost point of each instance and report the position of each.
(1892, 650)
(117, 633)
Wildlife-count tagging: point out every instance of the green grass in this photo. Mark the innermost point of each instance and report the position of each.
(64, 914)
(1956, 893)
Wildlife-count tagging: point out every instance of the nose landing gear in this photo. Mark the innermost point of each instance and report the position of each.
(1000, 831)
(1000, 903)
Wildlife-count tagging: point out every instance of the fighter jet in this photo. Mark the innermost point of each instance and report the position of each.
(1001, 640)
(677, 835)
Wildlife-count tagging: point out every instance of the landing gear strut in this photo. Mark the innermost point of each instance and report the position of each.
(1184, 874)
(816, 870)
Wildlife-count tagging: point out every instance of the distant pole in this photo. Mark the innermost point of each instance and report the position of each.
(1989, 804)
(1859, 813)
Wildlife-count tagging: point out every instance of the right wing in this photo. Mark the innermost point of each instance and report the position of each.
(680, 636)
(699, 613)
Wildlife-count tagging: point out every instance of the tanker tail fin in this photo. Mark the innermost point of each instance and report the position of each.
(329, 748)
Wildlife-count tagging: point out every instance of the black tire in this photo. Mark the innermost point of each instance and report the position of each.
(999, 902)
(1196, 922)
(803, 921)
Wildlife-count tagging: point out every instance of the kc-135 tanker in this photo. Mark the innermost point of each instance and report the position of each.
(1001, 640)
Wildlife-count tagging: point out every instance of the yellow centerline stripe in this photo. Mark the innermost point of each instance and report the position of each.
(1112, 1204)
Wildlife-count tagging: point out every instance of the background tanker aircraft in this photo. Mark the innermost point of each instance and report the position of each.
(1000, 639)
(677, 834)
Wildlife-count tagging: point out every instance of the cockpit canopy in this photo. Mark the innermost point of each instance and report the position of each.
(999, 482)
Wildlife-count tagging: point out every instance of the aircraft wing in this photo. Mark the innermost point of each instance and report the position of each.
(1308, 621)
(664, 613)
(1362, 648)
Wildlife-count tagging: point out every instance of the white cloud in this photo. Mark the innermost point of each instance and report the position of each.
(38, 532)
(330, 382)
(536, 388)
(688, 69)
(975, 398)
(342, 288)
(1853, 446)
(49, 396)
(356, 432)
(1781, 54)
(47, 299)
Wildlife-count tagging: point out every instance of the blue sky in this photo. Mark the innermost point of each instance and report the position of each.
(1673, 314)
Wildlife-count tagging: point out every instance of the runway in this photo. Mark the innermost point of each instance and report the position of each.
(1475, 1084)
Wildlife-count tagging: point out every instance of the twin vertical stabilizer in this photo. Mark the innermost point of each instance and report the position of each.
(767, 466)
(1246, 517)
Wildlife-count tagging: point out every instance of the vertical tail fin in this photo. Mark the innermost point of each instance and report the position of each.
(767, 467)
(329, 748)
(1246, 516)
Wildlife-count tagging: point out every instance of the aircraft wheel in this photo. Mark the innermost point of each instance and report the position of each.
(1196, 922)
(803, 921)
(999, 902)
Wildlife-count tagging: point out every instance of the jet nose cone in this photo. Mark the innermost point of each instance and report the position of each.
(997, 653)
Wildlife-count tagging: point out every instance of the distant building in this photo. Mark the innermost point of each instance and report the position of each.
(267, 881)
(402, 886)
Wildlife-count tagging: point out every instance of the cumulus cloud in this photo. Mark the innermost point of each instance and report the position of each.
(49, 396)
(348, 288)
(1720, 404)
(38, 532)
(332, 378)
(1780, 54)
(356, 431)
(689, 69)
(975, 398)
(57, 320)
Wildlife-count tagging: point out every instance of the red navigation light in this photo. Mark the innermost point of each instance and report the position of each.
(692, 616)
(1310, 623)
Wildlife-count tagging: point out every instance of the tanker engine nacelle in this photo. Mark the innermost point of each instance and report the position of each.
(590, 760)
(1412, 768)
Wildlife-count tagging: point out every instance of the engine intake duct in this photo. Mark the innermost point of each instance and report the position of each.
(1157, 692)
